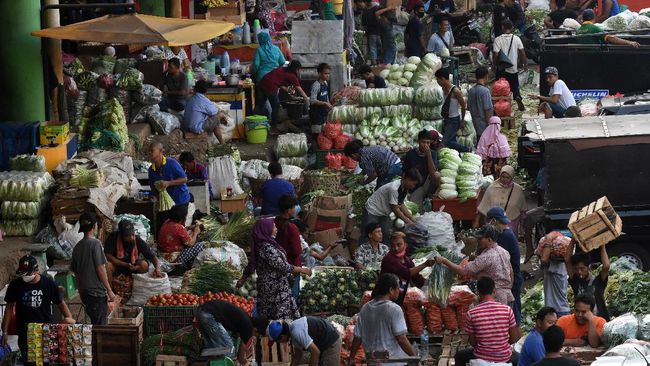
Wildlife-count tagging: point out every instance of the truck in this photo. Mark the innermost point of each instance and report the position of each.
(589, 157)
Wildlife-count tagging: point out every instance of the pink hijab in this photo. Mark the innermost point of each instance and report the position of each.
(493, 144)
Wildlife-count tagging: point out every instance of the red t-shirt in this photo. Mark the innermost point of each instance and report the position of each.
(172, 237)
(393, 264)
(272, 81)
(289, 239)
(490, 322)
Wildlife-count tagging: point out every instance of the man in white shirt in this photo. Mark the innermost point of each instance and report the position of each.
(512, 46)
(560, 97)
(443, 39)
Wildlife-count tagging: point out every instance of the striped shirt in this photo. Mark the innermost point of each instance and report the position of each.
(490, 322)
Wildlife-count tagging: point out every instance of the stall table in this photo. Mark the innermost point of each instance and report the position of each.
(242, 52)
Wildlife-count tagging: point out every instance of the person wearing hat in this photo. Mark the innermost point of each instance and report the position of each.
(590, 33)
(309, 333)
(30, 298)
(497, 216)
(127, 253)
(89, 267)
(215, 319)
(424, 160)
(560, 97)
(491, 261)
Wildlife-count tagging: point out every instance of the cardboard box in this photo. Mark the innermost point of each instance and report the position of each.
(333, 203)
(54, 129)
(328, 237)
(319, 219)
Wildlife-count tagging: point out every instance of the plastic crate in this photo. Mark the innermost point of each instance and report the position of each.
(162, 319)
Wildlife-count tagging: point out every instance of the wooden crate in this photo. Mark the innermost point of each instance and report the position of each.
(169, 360)
(126, 315)
(116, 345)
(508, 122)
(595, 225)
(233, 12)
(274, 353)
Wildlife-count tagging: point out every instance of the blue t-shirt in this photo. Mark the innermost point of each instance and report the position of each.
(170, 170)
(197, 111)
(533, 349)
(272, 190)
(508, 242)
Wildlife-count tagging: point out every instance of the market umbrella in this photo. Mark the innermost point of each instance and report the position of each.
(139, 29)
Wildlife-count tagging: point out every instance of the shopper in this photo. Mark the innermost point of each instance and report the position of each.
(494, 149)
(174, 88)
(375, 162)
(89, 267)
(218, 321)
(560, 97)
(287, 79)
(497, 216)
(201, 114)
(399, 264)
(507, 194)
(533, 349)
(381, 327)
(273, 189)
(288, 236)
(370, 21)
(492, 261)
(320, 103)
(511, 45)
(553, 339)
(479, 102)
(370, 254)
(127, 253)
(267, 56)
(443, 39)
(582, 328)
(425, 160)
(414, 41)
(269, 260)
(312, 334)
(29, 299)
(491, 327)
(582, 281)
(452, 111)
(176, 240)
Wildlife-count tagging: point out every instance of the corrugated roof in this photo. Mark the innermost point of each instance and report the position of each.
(588, 127)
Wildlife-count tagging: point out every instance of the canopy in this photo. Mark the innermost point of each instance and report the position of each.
(139, 29)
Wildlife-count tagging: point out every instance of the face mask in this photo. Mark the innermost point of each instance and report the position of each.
(272, 236)
(29, 279)
(421, 15)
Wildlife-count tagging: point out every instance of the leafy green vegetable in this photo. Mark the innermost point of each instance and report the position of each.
(441, 279)
(165, 201)
(238, 229)
(28, 163)
(131, 79)
(213, 277)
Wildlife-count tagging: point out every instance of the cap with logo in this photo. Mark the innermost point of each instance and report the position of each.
(26, 265)
(551, 70)
(499, 214)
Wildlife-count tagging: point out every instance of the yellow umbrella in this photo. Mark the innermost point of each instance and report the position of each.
(139, 29)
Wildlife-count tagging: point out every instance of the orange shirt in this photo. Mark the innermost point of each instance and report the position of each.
(573, 330)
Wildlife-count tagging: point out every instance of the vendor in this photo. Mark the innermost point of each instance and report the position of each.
(560, 97)
(175, 88)
(372, 80)
(442, 39)
(267, 57)
(590, 33)
(492, 261)
(127, 253)
(390, 199)
(180, 54)
(583, 327)
(370, 254)
(314, 255)
(397, 263)
(201, 114)
(320, 103)
(273, 189)
(508, 195)
(376, 162)
(170, 173)
(174, 238)
(309, 333)
(194, 170)
(217, 319)
(282, 78)
(424, 159)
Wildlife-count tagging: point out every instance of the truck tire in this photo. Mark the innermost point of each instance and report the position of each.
(635, 252)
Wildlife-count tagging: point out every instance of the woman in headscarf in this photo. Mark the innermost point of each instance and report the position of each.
(274, 273)
(493, 147)
(508, 195)
(267, 56)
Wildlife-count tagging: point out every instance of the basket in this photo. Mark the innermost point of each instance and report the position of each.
(314, 181)
(162, 319)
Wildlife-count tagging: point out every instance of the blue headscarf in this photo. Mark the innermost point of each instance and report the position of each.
(264, 40)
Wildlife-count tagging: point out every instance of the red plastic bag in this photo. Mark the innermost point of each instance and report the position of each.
(332, 130)
(341, 140)
(434, 318)
(71, 89)
(334, 161)
(367, 296)
(449, 318)
(349, 163)
(503, 108)
(501, 88)
(106, 81)
(324, 143)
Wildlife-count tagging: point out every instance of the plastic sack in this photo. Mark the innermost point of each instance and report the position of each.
(503, 108)
(640, 22)
(620, 329)
(461, 316)
(163, 123)
(349, 163)
(367, 296)
(140, 113)
(632, 350)
(477, 362)
(538, 4)
(570, 23)
(461, 296)
(415, 296)
(440, 228)
(341, 140)
(449, 319)
(334, 161)
(255, 169)
(414, 318)
(223, 252)
(501, 88)
(332, 129)
(433, 318)
(223, 173)
(291, 145)
(148, 95)
(430, 94)
(556, 241)
(300, 161)
(425, 72)
(417, 236)
(588, 108)
(71, 89)
(618, 22)
(145, 286)
(324, 143)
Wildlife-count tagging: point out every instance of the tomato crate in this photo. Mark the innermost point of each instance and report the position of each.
(162, 319)
(595, 224)
(458, 210)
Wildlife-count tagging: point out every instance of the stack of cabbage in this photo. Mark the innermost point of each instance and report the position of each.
(425, 72)
(291, 149)
(460, 177)
(23, 196)
(401, 74)
(428, 100)
(397, 133)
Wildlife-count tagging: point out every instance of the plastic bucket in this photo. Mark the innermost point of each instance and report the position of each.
(257, 128)
(338, 7)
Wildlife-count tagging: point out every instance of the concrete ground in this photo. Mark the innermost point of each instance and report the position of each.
(10, 252)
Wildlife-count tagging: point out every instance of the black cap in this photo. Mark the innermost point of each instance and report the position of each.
(26, 265)
(87, 221)
(126, 228)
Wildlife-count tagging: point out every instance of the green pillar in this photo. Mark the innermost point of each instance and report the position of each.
(22, 77)
(152, 7)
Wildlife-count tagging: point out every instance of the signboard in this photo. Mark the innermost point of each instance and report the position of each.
(598, 94)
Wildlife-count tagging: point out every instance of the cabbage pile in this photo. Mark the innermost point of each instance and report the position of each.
(460, 177)
(385, 96)
(401, 74)
(23, 195)
(425, 71)
(397, 133)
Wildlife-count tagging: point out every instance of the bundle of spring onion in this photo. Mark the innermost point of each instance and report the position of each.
(237, 230)
(165, 201)
(86, 178)
(441, 279)
(213, 277)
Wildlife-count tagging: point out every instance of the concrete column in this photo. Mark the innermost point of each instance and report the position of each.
(153, 7)
(55, 56)
(22, 79)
